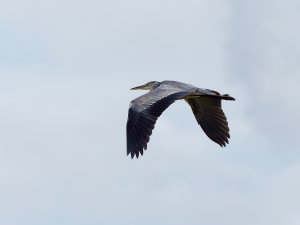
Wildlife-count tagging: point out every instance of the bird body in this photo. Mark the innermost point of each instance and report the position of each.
(145, 110)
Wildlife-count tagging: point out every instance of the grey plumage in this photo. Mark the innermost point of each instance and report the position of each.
(145, 110)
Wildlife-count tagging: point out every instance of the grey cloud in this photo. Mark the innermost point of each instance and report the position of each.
(62, 133)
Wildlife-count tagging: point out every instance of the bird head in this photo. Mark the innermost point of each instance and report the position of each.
(148, 86)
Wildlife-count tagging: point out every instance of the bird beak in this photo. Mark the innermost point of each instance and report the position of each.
(142, 87)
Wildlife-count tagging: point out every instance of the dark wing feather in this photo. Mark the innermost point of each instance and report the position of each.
(210, 116)
(142, 116)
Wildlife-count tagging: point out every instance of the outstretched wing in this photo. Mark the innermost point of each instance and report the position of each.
(210, 116)
(143, 113)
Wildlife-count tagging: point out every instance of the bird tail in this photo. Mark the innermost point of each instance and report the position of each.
(226, 97)
(216, 95)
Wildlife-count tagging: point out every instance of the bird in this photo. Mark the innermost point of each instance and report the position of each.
(144, 111)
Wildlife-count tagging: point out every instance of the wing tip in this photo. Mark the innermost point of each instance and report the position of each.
(223, 142)
(135, 153)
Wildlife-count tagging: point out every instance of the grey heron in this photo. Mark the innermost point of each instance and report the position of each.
(145, 110)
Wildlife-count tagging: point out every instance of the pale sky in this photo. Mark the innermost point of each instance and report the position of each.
(66, 68)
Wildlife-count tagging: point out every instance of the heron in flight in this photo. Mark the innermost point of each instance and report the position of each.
(144, 111)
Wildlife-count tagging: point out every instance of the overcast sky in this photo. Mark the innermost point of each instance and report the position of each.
(65, 72)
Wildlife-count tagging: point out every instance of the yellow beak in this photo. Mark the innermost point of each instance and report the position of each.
(142, 87)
